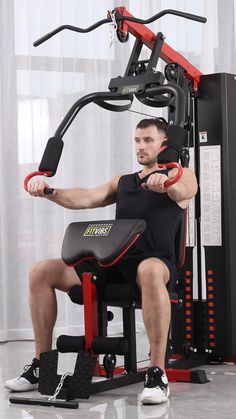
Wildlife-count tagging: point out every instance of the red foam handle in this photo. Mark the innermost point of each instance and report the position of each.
(32, 174)
(178, 175)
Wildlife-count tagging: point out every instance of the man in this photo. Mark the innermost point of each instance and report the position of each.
(150, 261)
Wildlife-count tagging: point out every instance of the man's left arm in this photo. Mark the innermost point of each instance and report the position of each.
(185, 188)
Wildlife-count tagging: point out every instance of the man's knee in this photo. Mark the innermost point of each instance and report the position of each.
(52, 273)
(41, 272)
(152, 273)
(38, 272)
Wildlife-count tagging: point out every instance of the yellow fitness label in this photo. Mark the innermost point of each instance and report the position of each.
(98, 230)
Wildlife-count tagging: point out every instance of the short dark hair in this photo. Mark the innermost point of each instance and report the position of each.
(159, 123)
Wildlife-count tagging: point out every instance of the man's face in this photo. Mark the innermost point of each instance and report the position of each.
(148, 142)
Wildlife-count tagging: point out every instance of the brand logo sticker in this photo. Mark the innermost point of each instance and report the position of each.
(94, 230)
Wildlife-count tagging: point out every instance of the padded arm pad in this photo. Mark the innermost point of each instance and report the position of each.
(176, 138)
(51, 155)
(107, 241)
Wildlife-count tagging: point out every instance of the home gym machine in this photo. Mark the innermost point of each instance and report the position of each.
(200, 120)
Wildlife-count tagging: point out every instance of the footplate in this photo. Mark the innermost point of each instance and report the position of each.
(76, 386)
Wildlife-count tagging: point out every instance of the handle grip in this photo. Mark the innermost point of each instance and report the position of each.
(173, 180)
(178, 175)
(47, 191)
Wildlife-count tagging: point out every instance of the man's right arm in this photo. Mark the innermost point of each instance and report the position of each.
(78, 198)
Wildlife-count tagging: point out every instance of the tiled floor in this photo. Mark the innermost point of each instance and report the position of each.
(214, 400)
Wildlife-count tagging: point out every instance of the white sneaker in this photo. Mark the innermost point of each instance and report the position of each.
(156, 389)
(28, 380)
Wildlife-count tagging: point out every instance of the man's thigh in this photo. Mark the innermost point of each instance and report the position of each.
(61, 276)
(123, 271)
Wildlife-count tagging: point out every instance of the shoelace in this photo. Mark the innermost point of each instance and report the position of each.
(27, 367)
(155, 381)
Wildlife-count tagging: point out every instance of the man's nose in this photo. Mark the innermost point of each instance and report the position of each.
(141, 145)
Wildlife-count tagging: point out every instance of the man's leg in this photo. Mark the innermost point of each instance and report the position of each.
(152, 277)
(45, 277)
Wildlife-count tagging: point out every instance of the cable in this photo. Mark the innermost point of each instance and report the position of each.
(145, 114)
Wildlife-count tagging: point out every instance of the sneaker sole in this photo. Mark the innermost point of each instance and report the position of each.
(21, 389)
(153, 400)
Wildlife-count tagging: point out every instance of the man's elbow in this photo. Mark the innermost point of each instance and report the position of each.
(194, 188)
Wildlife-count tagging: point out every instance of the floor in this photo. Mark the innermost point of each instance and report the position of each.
(214, 400)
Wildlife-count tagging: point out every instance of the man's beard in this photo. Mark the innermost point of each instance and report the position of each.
(146, 161)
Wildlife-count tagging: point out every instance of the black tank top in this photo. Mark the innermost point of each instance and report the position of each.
(160, 212)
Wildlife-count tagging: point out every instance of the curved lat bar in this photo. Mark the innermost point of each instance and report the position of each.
(119, 18)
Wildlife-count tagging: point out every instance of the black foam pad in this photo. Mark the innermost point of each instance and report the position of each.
(70, 343)
(109, 345)
(76, 294)
(51, 155)
(176, 138)
(103, 240)
(122, 292)
(168, 155)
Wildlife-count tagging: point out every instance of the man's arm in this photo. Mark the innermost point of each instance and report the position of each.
(185, 188)
(181, 192)
(78, 198)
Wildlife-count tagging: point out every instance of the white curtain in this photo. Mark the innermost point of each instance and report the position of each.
(38, 86)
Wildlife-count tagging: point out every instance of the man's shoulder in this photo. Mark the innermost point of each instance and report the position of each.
(114, 182)
(128, 175)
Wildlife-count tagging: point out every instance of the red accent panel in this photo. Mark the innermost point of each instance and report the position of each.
(90, 309)
(139, 30)
(168, 54)
(231, 359)
(174, 300)
(178, 375)
(32, 174)
(211, 312)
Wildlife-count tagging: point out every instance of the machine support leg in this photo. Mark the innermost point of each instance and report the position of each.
(90, 309)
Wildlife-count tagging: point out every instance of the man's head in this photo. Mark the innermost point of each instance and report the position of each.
(149, 136)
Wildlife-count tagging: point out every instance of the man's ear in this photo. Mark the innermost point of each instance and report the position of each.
(164, 142)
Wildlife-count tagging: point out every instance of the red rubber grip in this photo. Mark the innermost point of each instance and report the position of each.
(32, 174)
(178, 175)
